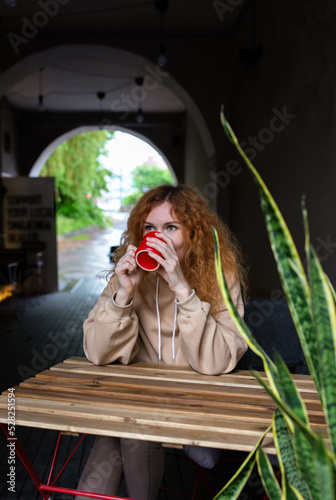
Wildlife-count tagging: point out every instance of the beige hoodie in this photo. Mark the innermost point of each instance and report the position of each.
(155, 327)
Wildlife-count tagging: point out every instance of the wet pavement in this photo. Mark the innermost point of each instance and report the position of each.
(86, 258)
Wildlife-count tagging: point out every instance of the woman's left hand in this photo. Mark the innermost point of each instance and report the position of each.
(170, 268)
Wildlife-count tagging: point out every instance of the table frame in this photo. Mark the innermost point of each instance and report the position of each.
(46, 488)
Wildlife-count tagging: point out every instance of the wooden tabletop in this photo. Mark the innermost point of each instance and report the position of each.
(170, 404)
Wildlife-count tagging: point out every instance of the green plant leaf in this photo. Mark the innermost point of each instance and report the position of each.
(308, 466)
(286, 455)
(332, 290)
(233, 488)
(324, 471)
(325, 319)
(324, 314)
(227, 128)
(293, 493)
(293, 419)
(287, 258)
(288, 390)
(303, 452)
(268, 478)
(293, 279)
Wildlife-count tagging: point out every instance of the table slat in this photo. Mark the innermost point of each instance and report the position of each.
(166, 434)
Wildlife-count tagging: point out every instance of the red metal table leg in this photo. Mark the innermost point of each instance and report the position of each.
(68, 460)
(46, 489)
(70, 491)
(55, 458)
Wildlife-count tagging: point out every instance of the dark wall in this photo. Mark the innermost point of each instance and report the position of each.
(295, 80)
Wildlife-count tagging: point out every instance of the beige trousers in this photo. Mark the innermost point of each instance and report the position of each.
(141, 462)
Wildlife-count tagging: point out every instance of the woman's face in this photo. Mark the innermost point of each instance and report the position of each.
(162, 219)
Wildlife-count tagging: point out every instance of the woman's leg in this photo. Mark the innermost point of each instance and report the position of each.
(103, 470)
(143, 468)
(206, 457)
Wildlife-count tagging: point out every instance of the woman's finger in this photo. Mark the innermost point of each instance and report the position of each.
(162, 246)
(126, 263)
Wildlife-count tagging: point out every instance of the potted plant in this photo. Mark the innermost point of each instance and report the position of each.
(307, 460)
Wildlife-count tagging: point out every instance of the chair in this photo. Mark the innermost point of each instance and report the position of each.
(112, 252)
(271, 323)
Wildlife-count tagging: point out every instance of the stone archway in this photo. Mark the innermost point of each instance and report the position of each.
(198, 132)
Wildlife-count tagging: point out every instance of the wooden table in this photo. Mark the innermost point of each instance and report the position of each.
(170, 404)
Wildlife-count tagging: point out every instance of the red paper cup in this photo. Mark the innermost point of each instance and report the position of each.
(141, 255)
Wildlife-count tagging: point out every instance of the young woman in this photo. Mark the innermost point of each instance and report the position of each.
(173, 315)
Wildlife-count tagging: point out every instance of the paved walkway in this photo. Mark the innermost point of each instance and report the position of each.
(40, 330)
(85, 258)
(37, 332)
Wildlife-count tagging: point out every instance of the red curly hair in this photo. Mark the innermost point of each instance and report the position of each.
(197, 218)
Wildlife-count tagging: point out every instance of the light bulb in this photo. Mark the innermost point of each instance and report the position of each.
(140, 117)
(162, 58)
(41, 103)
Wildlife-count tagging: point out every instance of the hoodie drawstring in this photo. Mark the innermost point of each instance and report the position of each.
(158, 319)
(159, 325)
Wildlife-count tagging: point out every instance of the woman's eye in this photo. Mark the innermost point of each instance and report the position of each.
(171, 228)
(149, 228)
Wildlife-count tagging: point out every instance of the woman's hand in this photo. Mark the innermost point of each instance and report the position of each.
(129, 276)
(170, 268)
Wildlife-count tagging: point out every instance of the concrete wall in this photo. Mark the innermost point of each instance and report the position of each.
(196, 161)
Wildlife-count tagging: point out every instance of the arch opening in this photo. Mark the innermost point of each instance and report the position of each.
(84, 248)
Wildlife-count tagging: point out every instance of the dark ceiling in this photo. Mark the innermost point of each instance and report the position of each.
(73, 83)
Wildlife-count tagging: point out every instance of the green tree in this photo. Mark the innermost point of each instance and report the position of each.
(79, 174)
(145, 177)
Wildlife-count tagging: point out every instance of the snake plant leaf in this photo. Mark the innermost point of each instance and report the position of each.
(324, 471)
(303, 452)
(286, 455)
(291, 417)
(233, 488)
(334, 472)
(324, 313)
(288, 390)
(293, 279)
(227, 128)
(268, 478)
(332, 290)
(325, 319)
(293, 493)
(296, 289)
(244, 330)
